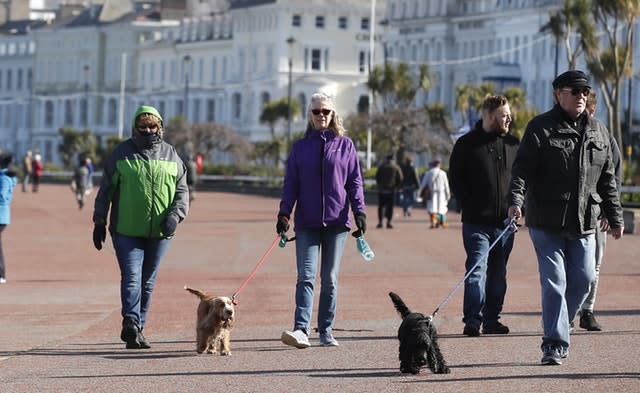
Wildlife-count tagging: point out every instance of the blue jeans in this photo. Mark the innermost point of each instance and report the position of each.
(486, 286)
(408, 199)
(139, 259)
(309, 243)
(567, 269)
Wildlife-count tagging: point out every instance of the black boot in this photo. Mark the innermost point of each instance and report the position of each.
(129, 333)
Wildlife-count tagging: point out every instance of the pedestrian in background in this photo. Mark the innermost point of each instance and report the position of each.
(26, 169)
(410, 185)
(37, 169)
(388, 181)
(322, 181)
(90, 170)
(587, 318)
(479, 171)
(7, 184)
(144, 186)
(80, 182)
(564, 167)
(434, 188)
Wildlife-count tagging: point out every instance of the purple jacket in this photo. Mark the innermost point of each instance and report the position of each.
(322, 179)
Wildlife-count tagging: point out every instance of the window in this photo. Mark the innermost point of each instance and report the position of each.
(296, 20)
(362, 61)
(211, 109)
(320, 22)
(214, 66)
(19, 83)
(302, 100)
(264, 99)
(48, 114)
(364, 24)
(196, 109)
(68, 113)
(9, 79)
(236, 103)
(84, 112)
(112, 112)
(343, 23)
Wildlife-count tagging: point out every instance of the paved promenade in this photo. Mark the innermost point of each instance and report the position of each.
(60, 314)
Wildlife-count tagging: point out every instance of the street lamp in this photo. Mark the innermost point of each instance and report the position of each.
(85, 111)
(290, 42)
(186, 60)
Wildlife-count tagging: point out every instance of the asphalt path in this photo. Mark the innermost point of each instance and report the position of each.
(60, 314)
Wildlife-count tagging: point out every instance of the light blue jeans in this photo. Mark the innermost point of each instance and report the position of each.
(486, 286)
(139, 259)
(567, 269)
(328, 244)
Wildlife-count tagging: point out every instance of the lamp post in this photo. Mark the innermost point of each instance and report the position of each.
(186, 61)
(85, 112)
(290, 42)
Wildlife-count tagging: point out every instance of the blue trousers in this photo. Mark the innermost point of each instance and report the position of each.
(328, 244)
(139, 259)
(486, 286)
(567, 269)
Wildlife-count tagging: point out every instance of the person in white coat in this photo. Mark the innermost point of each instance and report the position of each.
(435, 179)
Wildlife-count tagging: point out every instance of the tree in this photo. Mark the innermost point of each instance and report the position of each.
(563, 25)
(471, 97)
(609, 55)
(205, 138)
(398, 85)
(276, 110)
(75, 143)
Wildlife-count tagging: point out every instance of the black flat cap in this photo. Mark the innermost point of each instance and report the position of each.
(572, 78)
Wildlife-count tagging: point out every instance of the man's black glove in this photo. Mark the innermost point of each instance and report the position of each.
(99, 235)
(283, 223)
(361, 223)
(169, 225)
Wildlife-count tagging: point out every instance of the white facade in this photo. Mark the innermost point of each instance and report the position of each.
(226, 65)
(473, 41)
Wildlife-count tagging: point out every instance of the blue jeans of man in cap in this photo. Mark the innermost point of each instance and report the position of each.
(485, 288)
(312, 244)
(567, 269)
(139, 259)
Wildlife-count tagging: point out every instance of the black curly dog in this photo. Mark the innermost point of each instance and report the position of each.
(418, 341)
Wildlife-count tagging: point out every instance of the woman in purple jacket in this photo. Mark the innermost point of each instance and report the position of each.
(322, 179)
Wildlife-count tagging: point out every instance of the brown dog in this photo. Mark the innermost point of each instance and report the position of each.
(214, 322)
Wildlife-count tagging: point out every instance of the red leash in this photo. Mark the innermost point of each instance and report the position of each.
(255, 269)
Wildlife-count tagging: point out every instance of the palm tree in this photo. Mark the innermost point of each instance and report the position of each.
(612, 64)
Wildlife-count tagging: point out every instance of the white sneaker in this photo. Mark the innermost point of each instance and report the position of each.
(327, 340)
(3, 280)
(297, 339)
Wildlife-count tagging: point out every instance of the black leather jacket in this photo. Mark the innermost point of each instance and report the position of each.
(566, 170)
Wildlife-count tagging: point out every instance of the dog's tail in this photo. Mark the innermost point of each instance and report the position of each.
(399, 304)
(196, 292)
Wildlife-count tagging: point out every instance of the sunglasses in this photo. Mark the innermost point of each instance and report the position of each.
(578, 90)
(325, 112)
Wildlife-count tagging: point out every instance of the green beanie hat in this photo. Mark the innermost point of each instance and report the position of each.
(146, 109)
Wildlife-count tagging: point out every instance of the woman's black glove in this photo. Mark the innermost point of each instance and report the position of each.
(169, 225)
(361, 223)
(283, 224)
(99, 235)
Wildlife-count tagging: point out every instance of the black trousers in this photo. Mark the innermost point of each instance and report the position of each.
(385, 205)
(2, 227)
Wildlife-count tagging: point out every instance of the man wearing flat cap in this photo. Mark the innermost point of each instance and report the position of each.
(565, 169)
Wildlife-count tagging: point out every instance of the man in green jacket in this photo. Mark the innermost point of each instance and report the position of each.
(144, 184)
